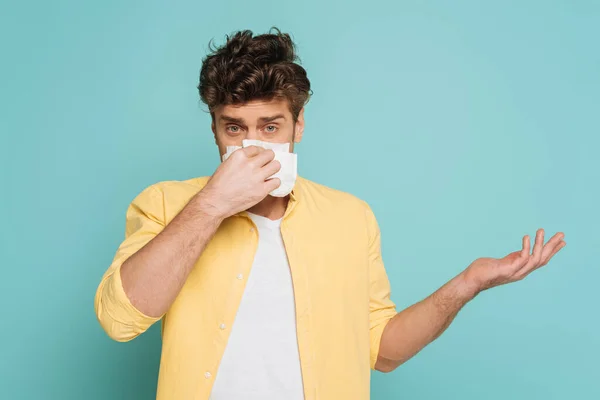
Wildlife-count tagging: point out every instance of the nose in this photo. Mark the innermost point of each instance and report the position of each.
(252, 134)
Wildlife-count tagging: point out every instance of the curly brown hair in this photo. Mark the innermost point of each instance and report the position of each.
(248, 67)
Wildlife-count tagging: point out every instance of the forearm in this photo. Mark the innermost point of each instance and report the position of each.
(415, 327)
(153, 276)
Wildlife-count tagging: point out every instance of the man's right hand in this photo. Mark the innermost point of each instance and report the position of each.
(240, 182)
(153, 276)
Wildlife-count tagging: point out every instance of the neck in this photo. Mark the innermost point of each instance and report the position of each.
(270, 207)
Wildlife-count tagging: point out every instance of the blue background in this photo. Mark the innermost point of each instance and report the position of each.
(464, 124)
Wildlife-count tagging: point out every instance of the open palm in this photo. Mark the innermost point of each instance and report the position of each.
(490, 272)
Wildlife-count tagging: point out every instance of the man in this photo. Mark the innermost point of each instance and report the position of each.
(268, 286)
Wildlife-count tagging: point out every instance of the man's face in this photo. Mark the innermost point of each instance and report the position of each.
(266, 120)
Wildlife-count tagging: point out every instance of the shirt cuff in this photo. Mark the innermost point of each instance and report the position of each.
(121, 319)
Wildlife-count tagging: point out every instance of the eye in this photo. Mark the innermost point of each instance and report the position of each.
(271, 129)
(233, 129)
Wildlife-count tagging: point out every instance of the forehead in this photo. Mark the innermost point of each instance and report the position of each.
(254, 110)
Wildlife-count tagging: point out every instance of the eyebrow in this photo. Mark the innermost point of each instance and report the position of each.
(272, 118)
(232, 119)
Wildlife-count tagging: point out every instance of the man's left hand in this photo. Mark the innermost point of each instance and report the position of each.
(485, 273)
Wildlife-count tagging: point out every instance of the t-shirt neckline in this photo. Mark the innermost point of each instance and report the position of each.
(261, 221)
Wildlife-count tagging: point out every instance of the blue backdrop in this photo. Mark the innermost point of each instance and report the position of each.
(464, 124)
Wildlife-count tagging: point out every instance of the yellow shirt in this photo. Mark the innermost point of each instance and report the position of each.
(341, 290)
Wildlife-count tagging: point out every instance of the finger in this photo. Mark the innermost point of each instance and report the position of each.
(252, 151)
(523, 258)
(555, 250)
(263, 158)
(551, 245)
(519, 259)
(537, 249)
(526, 246)
(533, 260)
(547, 252)
(272, 184)
(269, 169)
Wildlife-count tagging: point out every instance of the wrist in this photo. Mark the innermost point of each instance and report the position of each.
(451, 297)
(468, 285)
(207, 205)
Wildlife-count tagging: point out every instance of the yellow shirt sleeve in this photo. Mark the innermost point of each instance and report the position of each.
(117, 316)
(381, 307)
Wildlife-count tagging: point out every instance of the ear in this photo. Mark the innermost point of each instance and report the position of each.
(299, 127)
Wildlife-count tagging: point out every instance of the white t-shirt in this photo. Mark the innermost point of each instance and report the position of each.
(261, 360)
